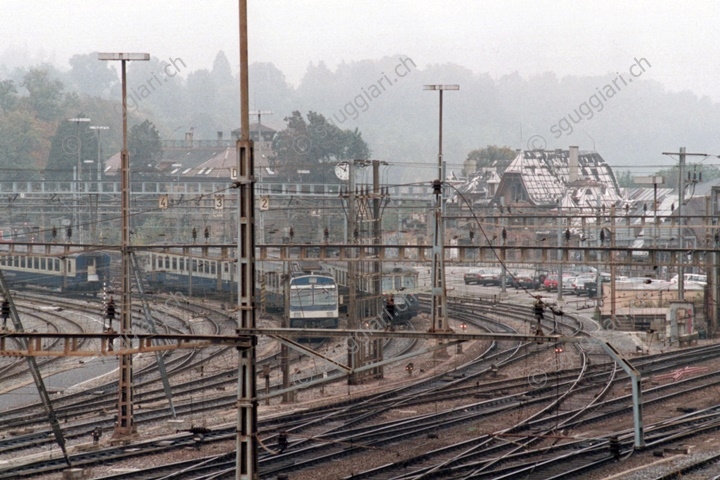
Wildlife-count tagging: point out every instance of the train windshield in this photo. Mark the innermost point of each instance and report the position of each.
(305, 297)
(313, 292)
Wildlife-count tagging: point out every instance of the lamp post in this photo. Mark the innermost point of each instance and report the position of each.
(439, 292)
(98, 129)
(125, 424)
(78, 121)
(77, 177)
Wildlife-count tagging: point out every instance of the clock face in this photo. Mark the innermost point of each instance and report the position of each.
(342, 170)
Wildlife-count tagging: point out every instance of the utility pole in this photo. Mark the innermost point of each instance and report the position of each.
(377, 240)
(682, 154)
(681, 200)
(439, 288)
(125, 424)
(559, 252)
(354, 348)
(247, 462)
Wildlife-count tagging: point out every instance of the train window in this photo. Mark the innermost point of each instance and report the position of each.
(398, 282)
(182, 264)
(22, 262)
(213, 268)
(193, 265)
(201, 266)
(43, 264)
(69, 266)
(174, 263)
(57, 265)
(167, 262)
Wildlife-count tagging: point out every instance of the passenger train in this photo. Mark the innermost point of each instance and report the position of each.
(397, 279)
(313, 301)
(84, 272)
(200, 276)
(313, 295)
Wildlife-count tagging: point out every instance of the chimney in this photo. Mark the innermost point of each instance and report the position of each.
(189, 136)
(573, 164)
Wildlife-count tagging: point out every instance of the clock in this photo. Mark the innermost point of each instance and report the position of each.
(342, 170)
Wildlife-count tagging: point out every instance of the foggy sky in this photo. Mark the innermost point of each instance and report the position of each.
(680, 40)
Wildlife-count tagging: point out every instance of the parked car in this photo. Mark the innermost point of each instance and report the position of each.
(522, 280)
(550, 283)
(491, 276)
(591, 287)
(474, 276)
(578, 283)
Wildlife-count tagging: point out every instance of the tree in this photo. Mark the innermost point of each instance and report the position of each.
(8, 95)
(144, 148)
(65, 158)
(45, 94)
(91, 76)
(490, 156)
(22, 135)
(315, 145)
(221, 71)
(625, 179)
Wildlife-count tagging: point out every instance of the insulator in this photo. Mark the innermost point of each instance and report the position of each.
(504, 234)
(602, 236)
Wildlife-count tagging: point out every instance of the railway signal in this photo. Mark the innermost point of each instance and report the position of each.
(110, 312)
(5, 312)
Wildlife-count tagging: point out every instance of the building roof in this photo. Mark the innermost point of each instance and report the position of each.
(546, 177)
(219, 166)
(188, 158)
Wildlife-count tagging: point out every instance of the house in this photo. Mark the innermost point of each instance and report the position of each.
(576, 180)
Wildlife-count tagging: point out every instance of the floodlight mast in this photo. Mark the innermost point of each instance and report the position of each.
(125, 425)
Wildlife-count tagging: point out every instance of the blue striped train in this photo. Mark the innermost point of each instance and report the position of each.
(86, 272)
(313, 295)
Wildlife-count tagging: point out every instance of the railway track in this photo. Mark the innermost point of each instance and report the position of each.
(567, 400)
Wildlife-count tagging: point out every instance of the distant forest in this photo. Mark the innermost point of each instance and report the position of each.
(384, 99)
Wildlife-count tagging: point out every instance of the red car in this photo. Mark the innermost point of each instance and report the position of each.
(551, 282)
